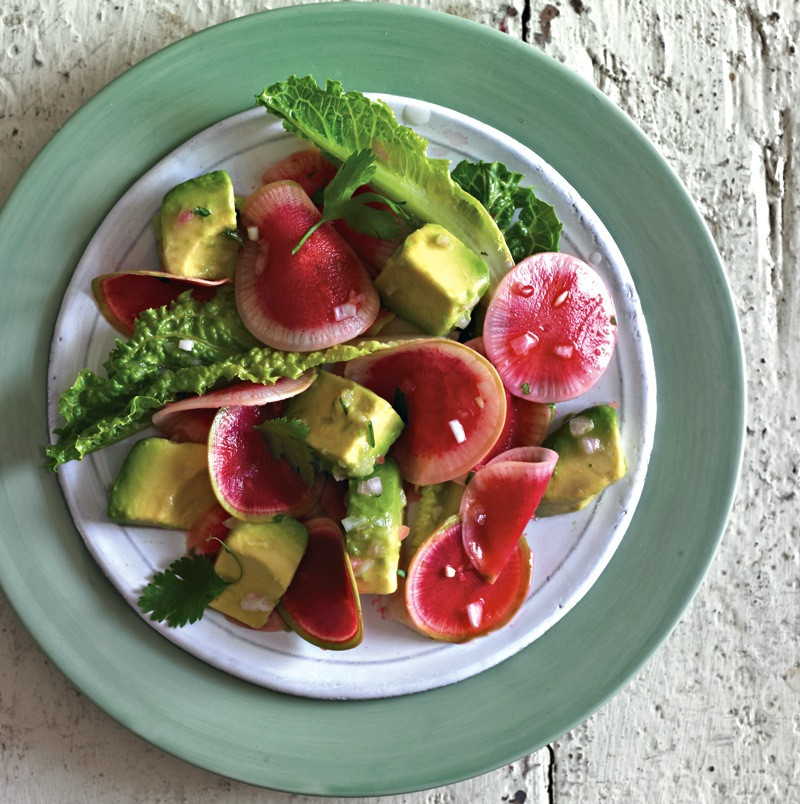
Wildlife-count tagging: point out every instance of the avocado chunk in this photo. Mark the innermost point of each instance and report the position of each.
(437, 503)
(265, 558)
(590, 458)
(375, 506)
(162, 483)
(349, 426)
(433, 280)
(196, 228)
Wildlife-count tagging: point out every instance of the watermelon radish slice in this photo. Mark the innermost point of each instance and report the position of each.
(318, 297)
(249, 483)
(188, 425)
(208, 531)
(449, 600)
(243, 393)
(321, 604)
(499, 502)
(550, 328)
(526, 423)
(309, 168)
(123, 297)
(453, 401)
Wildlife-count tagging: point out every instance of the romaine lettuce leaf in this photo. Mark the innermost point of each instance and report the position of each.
(340, 123)
(528, 224)
(151, 369)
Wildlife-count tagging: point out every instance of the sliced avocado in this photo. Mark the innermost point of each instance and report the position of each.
(437, 502)
(375, 506)
(265, 558)
(590, 458)
(162, 483)
(350, 427)
(433, 280)
(196, 227)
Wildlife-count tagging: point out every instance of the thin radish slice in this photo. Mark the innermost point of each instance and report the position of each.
(499, 502)
(437, 384)
(122, 297)
(526, 422)
(448, 599)
(249, 483)
(243, 393)
(315, 298)
(550, 328)
(309, 168)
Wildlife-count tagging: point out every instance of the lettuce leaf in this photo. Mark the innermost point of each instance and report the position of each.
(528, 224)
(151, 369)
(341, 123)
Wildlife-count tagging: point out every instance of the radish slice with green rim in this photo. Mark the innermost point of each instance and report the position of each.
(242, 393)
(321, 604)
(249, 483)
(315, 298)
(453, 403)
(550, 328)
(449, 600)
(498, 503)
(122, 297)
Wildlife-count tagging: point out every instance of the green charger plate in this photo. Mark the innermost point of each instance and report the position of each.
(432, 738)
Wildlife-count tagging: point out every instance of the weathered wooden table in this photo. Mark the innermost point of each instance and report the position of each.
(714, 716)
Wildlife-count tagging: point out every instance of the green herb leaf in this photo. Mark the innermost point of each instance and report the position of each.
(528, 224)
(339, 203)
(182, 592)
(286, 439)
(202, 211)
(370, 434)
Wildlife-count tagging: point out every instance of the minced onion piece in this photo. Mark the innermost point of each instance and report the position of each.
(479, 401)
(186, 344)
(373, 487)
(252, 601)
(463, 321)
(522, 343)
(580, 425)
(561, 298)
(252, 233)
(449, 572)
(360, 566)
(342, 311)
(475, 613)
(565, 350)
(458, 431)
(353, 522)
(590, 445)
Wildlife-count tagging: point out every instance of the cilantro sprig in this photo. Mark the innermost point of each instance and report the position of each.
(181, 593)
(287, 438)
(340, 203)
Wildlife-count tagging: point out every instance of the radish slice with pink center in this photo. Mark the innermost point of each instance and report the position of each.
(243, 393)
(499, 502)
(249, 483)
(448, 599)
(454, 404)
(309, 168)
(550, 328)
(318, 297)
(526, 422)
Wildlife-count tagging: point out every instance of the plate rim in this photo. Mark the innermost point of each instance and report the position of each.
(424, 776)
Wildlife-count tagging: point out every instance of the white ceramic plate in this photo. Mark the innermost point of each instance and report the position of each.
(570, 551)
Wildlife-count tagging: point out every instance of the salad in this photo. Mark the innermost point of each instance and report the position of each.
(353, 373)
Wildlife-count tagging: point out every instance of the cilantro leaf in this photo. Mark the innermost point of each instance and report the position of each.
(341, 202)
(182, 592)
(286, 438)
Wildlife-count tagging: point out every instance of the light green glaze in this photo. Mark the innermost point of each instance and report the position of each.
(243, 731)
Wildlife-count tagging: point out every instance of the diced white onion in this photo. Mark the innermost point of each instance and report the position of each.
(252, 601)
(463, 321)
(230, 522)
(371, 488)
(342, 311)
(449, 572)
(580, 425)
(252, 232)
(458, 431)
(475, 613)
(361, 565)
(591, 445)
(479, 401)
(186, 344)
(565, 350)
(353, 522)
(522, 343)
(561, 298)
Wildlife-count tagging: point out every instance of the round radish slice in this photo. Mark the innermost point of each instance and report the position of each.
(309, 168)
(243, 393)
(499, 502)
(449, 600)
(550, 328)
(450, 397)
(321, 604)
(249, 483)
(122, 297)
(317, 297)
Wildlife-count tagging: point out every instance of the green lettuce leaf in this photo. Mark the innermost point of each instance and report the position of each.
(528, 224)
(155, 366)
(341, 123)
